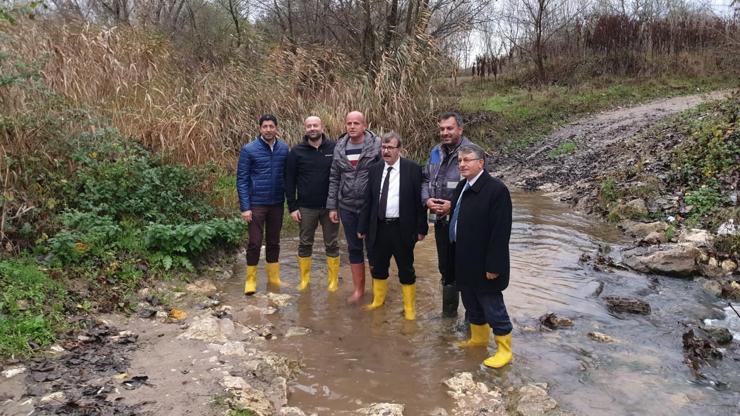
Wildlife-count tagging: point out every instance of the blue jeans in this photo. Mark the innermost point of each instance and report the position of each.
(350, 221)
(486, 308)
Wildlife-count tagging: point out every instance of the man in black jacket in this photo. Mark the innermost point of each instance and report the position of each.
(393, 220)
(307, 172)
(480, 227)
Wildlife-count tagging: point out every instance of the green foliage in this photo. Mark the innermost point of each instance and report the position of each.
(173, 245)
(562, 149)
(703, 201)
(712, 146)
(121, 184)
(608, 191)
(125, 216)
(31, 307)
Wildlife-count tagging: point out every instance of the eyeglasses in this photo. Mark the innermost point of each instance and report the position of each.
(466, 160)
(388, 147)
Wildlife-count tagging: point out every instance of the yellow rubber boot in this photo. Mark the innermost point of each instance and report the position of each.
(380, 289)
(304, 265)
(503, 354)
(409, 301)
(273, 273)
(250, 283)
(479, 336)
(332, 267)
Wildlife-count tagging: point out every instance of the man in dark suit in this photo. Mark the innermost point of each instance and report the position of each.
(393, 220)
(480, 227)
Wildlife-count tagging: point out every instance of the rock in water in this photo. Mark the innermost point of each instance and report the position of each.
(618, 304)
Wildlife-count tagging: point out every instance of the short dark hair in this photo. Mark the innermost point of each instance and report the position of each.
(451, 114)
(387, 137)
(268, 117)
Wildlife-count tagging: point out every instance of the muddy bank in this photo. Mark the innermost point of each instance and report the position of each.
(199, 356)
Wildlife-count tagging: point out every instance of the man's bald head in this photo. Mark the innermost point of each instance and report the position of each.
(313, 127)
(355, 125)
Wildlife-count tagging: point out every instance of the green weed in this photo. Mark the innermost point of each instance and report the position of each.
(562, 149)
(31, 309)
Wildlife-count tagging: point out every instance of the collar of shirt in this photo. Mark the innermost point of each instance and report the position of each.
(472, 181)
(395, 165)
(272, 146)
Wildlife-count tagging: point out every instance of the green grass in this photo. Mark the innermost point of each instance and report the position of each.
(31, 309)
(562, 149)
(520, 116)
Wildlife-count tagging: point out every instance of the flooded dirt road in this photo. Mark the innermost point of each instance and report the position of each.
(353, 357)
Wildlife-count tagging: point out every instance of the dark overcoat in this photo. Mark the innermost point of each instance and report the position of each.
(412, 214)
(483, 231)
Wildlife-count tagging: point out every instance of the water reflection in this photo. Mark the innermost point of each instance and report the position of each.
(353, 358)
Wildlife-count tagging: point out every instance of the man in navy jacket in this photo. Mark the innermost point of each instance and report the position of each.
(259, 182)
(480, 228)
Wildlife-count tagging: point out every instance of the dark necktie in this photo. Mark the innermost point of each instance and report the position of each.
(384, 194)
(453, 220)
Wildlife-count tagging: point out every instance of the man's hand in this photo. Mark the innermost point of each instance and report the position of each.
(420, 237)
(491, 276)
(361, 236)
(333, 216)
(444, 207)
(247, 216)
(296, 215)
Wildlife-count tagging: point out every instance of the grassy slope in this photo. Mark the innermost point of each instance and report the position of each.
(517, 117)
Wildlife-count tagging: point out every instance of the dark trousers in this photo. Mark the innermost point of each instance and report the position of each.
(442, 238)
(450, 297)
(310, 220)
(350, 222)
(267, 220)
(389, 242)
(486, 308)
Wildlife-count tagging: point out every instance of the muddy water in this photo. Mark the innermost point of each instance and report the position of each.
(353, 358)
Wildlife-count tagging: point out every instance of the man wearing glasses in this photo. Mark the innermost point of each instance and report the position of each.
(441, 176)
(479, 231)
(393, 220)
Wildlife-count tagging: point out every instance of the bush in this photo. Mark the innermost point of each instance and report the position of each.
(31, 307)
(174, 245)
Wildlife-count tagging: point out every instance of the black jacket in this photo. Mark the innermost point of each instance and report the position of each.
(307, 172)
(483, 231)
(412, 214)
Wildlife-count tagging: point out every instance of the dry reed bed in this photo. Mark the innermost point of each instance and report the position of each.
(136, 81)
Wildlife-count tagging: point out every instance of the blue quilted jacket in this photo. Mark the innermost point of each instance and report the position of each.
(260, 173)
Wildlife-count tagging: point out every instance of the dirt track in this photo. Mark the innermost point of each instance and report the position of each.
(599, 141)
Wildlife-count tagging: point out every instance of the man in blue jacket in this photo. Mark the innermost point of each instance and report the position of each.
(259, 182)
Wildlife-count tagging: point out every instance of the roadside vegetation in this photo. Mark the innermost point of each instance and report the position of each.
(686, 169)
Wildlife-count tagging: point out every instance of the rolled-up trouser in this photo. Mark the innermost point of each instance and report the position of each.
(350, 221)
(486, 308)
(310, 220)
(267, 220)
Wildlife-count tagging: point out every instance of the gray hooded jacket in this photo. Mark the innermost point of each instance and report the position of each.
(347, 184)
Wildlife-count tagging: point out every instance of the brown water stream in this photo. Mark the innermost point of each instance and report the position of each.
(353, 358)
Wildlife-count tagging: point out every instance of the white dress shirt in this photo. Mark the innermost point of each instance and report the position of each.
(394, 189)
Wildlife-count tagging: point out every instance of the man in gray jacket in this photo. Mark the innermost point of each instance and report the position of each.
(441, 176)
(354, 153)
